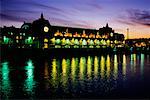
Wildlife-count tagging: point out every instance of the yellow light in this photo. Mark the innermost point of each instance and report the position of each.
(63, 41)
(73, 68)
(115, 67)
(46, 29)
(124, 65)
(96, 66)
(53, 40)
(17, 37)
(102, 67)
(64, 67)
(108, 66)
(45, 40)
(89, 67)
(54, 73)
(82, 67)
(45, 45)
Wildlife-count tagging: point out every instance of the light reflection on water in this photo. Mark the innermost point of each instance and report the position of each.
(78, 75)
(5, 83)
(29, 83)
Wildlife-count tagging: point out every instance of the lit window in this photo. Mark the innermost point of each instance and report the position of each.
(20, 33)
(20, 37)
(53, 40)
(17, 41)
(45, 40)
(24, 34)
(17, 37)
(45, 45)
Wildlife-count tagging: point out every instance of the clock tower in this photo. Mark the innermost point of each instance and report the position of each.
(42, 31)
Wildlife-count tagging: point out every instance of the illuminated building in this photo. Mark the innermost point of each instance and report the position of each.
(41, 34)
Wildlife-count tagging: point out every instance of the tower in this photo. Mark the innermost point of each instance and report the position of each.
(42, 16)
(127, 33)
(107, 25)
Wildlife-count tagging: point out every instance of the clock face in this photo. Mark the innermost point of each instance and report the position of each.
(46, 29)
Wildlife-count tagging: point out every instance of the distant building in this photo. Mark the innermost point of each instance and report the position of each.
(41, 34)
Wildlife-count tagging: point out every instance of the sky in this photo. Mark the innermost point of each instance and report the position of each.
(92, 14)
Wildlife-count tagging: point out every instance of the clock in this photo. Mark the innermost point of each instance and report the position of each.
(46, 29)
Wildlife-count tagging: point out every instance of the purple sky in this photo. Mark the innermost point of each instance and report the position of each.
(120, 14)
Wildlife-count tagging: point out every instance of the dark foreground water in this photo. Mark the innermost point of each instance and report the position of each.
(84, 76)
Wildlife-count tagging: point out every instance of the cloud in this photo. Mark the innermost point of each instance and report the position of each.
(139, 17)
(136, 16)
(68, 23)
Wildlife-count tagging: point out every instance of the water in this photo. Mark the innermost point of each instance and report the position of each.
(101, 76)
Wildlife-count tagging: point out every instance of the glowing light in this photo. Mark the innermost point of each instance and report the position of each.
(6, 40)
(45, 45)
(53, 40)
(5, 85)
(29, 83)
(82, 67)
(73, 68)
(20, 37)
(108, 66)
(84, 42)
(45, 40)
(54, 72)
(46, 29)
(115, 67)
(91, 42)
(142, 64)
(72, 41)
(111, 34)
(29, 40)
(76, 42)
(89, 67)
(17, 37)
(124, 65)
(63, 41)
(96, 66)
(102, 67)
(68, 42)
(58, 41)
(64, 67)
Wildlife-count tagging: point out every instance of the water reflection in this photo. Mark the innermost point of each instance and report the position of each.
(89, 68)
(124, 66)
(115, 67)
(6, 86)
(108, 66)
(142, 64)
(54, 73)
(82, 67)
(29, 83)
(102, 65)
(77, 75)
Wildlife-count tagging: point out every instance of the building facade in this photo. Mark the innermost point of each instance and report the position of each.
(41, 34)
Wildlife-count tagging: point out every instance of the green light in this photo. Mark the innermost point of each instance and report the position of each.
(142, 64)
(58, 41)
(67, 42)
(5, 86)
(84, 42)
(6, 40)
(76, 42)
(29, 82)
(91, 42)
(29, 40)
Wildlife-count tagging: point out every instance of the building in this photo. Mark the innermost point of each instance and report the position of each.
(41, 34)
